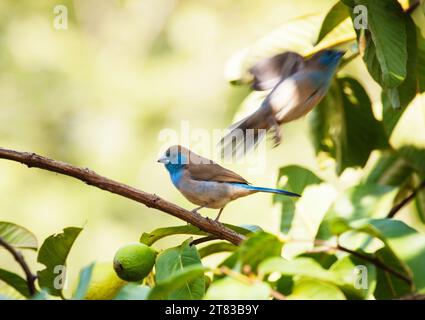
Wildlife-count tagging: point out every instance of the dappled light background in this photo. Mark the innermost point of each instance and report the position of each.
(98, 94)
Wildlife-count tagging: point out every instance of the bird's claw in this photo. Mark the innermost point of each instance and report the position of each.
(195, 211)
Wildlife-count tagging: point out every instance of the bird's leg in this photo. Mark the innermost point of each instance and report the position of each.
(275, 129)
(196, 209)
(219, 213)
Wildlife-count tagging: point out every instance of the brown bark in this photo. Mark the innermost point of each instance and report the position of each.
(150, 200)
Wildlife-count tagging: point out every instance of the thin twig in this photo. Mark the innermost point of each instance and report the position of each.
(405, 201)
(20, 259)
(378, 263)
(150, 200)
(203, 239)
(413, 296)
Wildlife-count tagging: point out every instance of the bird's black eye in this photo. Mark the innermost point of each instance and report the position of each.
(167, 153)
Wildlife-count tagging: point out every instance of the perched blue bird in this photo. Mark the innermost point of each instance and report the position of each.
(205, 183)
(297, 85)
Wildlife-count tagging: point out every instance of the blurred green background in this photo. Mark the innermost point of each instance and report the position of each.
(98, 94)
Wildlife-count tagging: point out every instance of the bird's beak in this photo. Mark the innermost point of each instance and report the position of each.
(164, 160)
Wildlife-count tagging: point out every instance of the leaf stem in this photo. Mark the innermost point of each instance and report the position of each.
(405, 201)
(203, 239)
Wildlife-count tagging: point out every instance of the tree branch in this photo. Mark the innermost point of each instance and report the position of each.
(20, 259)
(413, 296)
(405, 201)
(378, 263)
(150, 200)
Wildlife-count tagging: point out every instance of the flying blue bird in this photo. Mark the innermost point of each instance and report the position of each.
(297, 85)
(205, 183)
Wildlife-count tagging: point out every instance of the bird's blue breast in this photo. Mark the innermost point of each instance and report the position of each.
(176, 176)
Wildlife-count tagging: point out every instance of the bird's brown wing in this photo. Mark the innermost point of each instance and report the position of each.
(270, 71)
(213, 172)
(203, 169)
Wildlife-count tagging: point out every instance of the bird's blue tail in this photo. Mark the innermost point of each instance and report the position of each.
(270, 190)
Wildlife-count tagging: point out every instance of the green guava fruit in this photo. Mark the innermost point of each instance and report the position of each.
(134, 262)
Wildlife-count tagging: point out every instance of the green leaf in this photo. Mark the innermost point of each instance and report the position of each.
(421, 61)
(15, 281)
(358, 277)
(182, 279)
(342, 37)
(387, 27)
(418, 14)
(420, 198)
(404, 252)
(133, 291)
(244, 229)
(343, 125)
(173, 261)
(83, 282)
(389, 286)
(258, 247)
(17, 236)
(363, 201)
(350, 3)
(408, 244)
(306, 221)
(326, 115)
(398, 168)
(157, 234)
(341, 274)
(414, 156)
(285, 285)
(390, 169)
(406, 91)
(160, 233)
(410, 128)
(420, 205)
(367, 47)
(231, 289)
(325, 259)
(338, 13)
(222, 246)
(53, 253)
(305, 267)
(294, 178)
(310, 289)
